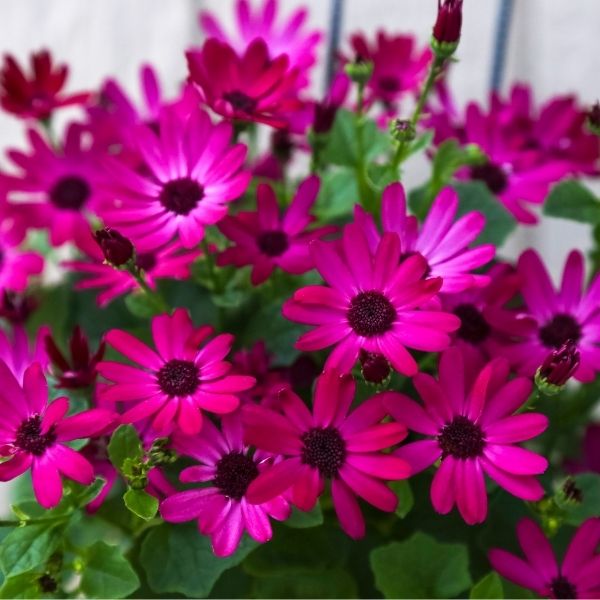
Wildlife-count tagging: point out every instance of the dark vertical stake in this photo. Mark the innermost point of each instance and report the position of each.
(335, 28)
(503, 21)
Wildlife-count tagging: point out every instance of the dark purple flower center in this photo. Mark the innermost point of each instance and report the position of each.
(240, 101)
(146, 261)
(70, 192)
(389, 84)
(30, 437)
(235, 472)
(561, 587)
(272, 243)
(461, 438)
(559, 330)
(492, 175)
(181, 196)
(179, 378)
(371, 313)
(473, 327)
(324, 449)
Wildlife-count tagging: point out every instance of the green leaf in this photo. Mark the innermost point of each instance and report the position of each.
(124, 443)
(421, 567)
(29, 547)
(24, 585)
(406, 499)
(107, 573)
(571, 200)
(177, 559)
(140, 305)
(499, 223)
(334, 583)
(337, 196)
(302, 520)
(489, 586)
(141, 503)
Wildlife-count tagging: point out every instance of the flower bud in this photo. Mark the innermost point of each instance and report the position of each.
(446, 31)
(593, 119)
(117, 249)
(558, 367)
(402, 130)
(374, 367)
(16, 308)
(360, 70)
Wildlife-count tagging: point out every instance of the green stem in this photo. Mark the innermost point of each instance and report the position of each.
(365, 188)
(212, 271)
(154, 296)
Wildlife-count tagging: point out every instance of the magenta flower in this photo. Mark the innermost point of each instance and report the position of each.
(571, 313)
(57, 189)
(589, 461)
(577, 577)
(191, 174)
(221, 508)
(441, 241)
(468, 416)
(37, 94)
(326, 110)
(33, 435)
(17, 353)
(398, 66)
(327, 444)
(249, 87)
(176, 383)
(373, 302)
(169, 262)
(265, 239)
(283, 37)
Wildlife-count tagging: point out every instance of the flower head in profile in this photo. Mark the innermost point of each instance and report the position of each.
(324, 112)
(468, 419)
(172, 261)
(570, 313)
(36, 94)
(578, 576)
(247, 87)
(226, 468)
(17, 308)
(443, 241)
(17, 353)
(327, 444)
(34, 435)
(56, 189)
(281, 36)
(176, 383)
(191, 173)
(398, 66)
(373, 302)
(266, 239)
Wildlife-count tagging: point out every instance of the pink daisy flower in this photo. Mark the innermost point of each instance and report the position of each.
(327, 445)
(398, 66)
(59, 188)
(191, 174)
(176, 383)
(37, 94)
(373, 302)
(468, 416)
(556, 316)
(442, 240)
(577, 577)
(33, 435)
(220, 504)
(17, 353)
(249, 87)
(169, 262)
(281, 36)
(266, 240)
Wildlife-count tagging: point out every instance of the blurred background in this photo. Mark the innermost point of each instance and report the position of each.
(552, 45)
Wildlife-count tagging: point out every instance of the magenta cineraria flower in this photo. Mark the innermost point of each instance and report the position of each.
(468, 416)
(265, 239)
(249, 87)
(169, 262)
(286, 37)
(398, 66)
(442, 241)
(221, 508)
(58, 189)
(174, 384)
(373, 302)
(327, 444)
(191, 174)
(577, 577)
(570, 313)
(17, 354)
(33, 435)
(324, 112)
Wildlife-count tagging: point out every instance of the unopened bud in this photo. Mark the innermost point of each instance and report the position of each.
(375, 368)
(117, 249)
(402, 130)
(558, 367)
(359, 71)
(446, 31)
(593, 119)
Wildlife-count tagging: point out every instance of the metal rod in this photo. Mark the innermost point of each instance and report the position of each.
(503, 23)
(334, 33)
